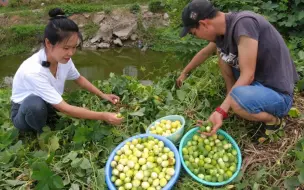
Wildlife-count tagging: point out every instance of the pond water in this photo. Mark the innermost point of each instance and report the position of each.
(97, 65)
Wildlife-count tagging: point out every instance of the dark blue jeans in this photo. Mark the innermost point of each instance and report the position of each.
(256, 98)
(32, 115)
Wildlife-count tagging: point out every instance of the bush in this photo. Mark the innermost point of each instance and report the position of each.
(156, 6)
(135, 8)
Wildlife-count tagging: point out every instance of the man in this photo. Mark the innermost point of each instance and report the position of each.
(253, 58)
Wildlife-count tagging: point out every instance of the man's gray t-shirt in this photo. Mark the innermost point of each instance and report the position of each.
(275, 68)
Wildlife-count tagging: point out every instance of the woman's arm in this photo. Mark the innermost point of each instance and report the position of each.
(83, 113)
(84, 83)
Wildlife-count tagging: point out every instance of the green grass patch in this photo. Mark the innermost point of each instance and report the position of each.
(19, 38)
(90, 29)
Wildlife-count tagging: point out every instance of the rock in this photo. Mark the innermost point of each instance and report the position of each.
(145, 48)
(103, 45)
(155, 21)
(8, 81)
(118, 42)
(86, 15)
(96, 38)
(148, 14)
(79, 19)
(98, 17)
(134, 37)
(124, 30)
(106, 32)
(166, 16)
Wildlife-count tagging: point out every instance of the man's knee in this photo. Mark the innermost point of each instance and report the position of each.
(242, 99)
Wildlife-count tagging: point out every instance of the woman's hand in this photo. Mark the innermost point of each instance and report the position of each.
(112, 118)
(111, 97)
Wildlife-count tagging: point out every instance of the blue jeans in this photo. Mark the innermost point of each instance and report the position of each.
(257, 98)
(32, 115)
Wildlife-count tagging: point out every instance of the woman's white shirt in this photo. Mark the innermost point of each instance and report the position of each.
(32, 78)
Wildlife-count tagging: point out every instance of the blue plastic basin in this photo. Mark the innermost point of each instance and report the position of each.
(188, 136)
(168, 143)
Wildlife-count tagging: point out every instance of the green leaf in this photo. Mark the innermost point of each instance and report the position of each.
(139, 112)
(300, 17)
(100, 179)
(294, 112)
(57, 182)
(45, 177)
(301, 53)
(74, 186)
(301, 176)
(75, 163)
(85, 164)
(40, 154)
(169, 97)
(5, 157)
(16, 147)
(299, 164)
(260, 174)
(181, 94)
(255, 186)
(41, 171)
(291, 183)
(71, 156)
(15, 182)
(54, 143)
(82, 134)
(300, 85)
(300, 155)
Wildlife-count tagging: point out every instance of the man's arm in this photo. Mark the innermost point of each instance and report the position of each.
(248, 50)
(227, 74)
(200, 57)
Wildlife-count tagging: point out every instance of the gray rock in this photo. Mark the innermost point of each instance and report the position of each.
(86, 15)
(118, 42)
(96, 38)
(145, 48)
(166, 16)
(134, 37)
(8, 81)
(103, 45)
(124, 30)
(98, 17)
(106, 32)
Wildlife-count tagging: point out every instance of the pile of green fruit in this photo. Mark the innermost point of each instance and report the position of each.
(212, 158)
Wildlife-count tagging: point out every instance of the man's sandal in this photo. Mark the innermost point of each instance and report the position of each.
(268, 131)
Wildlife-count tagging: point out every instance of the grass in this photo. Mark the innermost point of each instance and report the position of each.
(90, 29)
(19, 38)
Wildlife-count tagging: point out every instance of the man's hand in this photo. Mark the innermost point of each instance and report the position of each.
(217, 120)
(180, 79)
(112, 118)
(111, 97)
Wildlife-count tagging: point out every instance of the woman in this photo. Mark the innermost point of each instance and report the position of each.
(39, 82)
